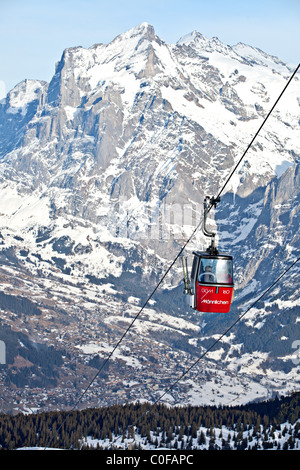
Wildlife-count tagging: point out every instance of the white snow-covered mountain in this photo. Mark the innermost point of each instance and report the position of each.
(102, 177)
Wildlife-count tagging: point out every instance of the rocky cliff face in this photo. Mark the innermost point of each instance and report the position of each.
(104, 169)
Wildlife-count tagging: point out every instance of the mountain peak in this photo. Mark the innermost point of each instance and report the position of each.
(259, 57)
(102, 178)
(23, 93)
(189, 38)
(144, 27)
(143, 30)
(204, 44)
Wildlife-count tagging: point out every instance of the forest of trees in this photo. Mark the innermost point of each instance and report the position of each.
(69, 430)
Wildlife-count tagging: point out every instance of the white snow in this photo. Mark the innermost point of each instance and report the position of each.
(23, 94)
(116, 72)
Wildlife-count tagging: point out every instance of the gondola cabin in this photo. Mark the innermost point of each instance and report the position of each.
(211, 283)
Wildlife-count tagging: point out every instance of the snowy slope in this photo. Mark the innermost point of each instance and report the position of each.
(102, 177)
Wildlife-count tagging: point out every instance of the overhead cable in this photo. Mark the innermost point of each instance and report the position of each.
(225, 333)
(179, 254)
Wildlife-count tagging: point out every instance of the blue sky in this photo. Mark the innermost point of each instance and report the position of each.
(34, 33)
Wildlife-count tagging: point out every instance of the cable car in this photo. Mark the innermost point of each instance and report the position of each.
(210, 287)
(211, 282)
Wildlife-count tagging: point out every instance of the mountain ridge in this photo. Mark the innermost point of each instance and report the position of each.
(102, 179)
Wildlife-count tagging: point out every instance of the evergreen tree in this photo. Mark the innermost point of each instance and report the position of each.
(201, 438)
(71, 428)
